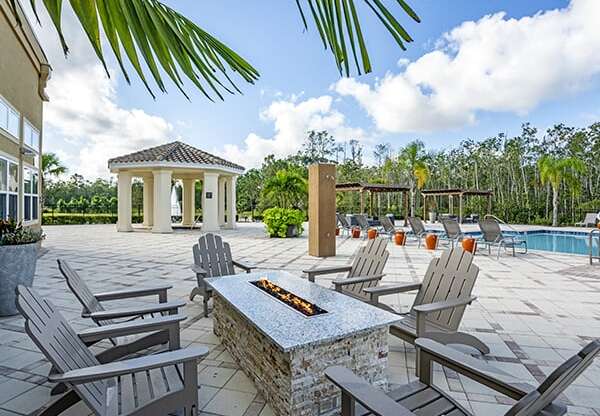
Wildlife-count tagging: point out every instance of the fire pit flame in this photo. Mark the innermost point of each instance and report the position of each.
(305, 307)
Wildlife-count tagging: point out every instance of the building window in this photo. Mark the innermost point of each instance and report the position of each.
(31, 136)
(30, 195)
(9, 187)
(10, 119)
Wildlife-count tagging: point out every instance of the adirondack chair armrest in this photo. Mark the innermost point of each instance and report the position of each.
(134, 365)
(473, 368)
(142, 310)
(443, 305)
(198, 270)
(392, 289)
(244, 266)
(327, 270)
(138, 326)
(355, 388)
(133, 293)
(340, 283)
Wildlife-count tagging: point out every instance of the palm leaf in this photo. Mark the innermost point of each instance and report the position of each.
(167, 42)
(338, 24)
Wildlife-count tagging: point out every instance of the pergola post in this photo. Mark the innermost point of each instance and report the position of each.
(189, 203)
(148, 197)
(424, 207)
(460, 208)
(450, 204)
(406, 208)
(162, 201)
(231, 202)
(124, 202)
(362, 202)
(221, 200)
(210, 217)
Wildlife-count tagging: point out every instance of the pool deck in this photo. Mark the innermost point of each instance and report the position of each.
(534, 311)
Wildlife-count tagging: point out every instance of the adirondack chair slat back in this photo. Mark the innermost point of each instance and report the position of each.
(58, 341)
(556, 382)
(369, 261)
(387, 225)
(214, 255)
(490, 230)
(451, 228)
(79, 288)
(416, 225)
(452, 276)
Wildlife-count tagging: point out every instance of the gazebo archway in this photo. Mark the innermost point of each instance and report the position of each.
(158, 167)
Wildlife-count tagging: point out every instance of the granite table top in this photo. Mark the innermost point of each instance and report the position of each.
(288, 328)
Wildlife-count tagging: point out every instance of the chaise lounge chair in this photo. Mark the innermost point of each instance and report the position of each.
(440, 303)
(366, 270)
(589, 221)
(388, 226)
(492, 236)
(421, 397)
(152, 385)
(453, 233)
(212, 258)
(343, 222)
(363, 224)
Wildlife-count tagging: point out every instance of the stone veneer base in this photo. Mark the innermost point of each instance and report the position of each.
(293, 382)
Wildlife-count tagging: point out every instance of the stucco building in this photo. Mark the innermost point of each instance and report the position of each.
(24, 71)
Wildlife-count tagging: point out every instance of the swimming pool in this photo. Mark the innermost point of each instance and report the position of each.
(558, 241)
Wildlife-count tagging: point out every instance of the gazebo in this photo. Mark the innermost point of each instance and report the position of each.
(456, 192)
(373, 188)
(158, 167)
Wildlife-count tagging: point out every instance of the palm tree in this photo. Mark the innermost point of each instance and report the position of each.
(411, 160)
(555, 171)
(166, 39)
(285, 187)
(51, 167)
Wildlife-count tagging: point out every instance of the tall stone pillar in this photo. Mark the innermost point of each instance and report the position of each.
(162, 202)
(124, 202)
(231, 202)
(189, 204)
(222, 181)
(210, 217)
(148, 201)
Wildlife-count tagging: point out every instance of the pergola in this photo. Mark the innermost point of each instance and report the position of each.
(460, 193)
(373, 188)
(158, 167)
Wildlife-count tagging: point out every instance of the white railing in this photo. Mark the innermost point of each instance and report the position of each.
(510, 227)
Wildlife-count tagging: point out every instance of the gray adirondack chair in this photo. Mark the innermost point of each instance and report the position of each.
(343, 222)
(418, 228)
(94, 309)
(366, 270)
(441, 300)
(452, 230)
(212, 258)
(422, 398)
(151, 385)
(492, 236)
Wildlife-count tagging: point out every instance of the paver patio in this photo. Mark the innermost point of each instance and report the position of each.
(533, 311)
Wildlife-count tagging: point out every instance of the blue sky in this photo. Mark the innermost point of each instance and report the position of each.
(531, 67)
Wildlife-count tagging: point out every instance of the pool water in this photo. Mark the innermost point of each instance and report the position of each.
(558, 241)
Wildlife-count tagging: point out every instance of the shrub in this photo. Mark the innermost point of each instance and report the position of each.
(277, 221)
(12, 234)
(73, 219)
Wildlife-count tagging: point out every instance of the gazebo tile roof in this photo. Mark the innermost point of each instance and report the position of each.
(176, 152)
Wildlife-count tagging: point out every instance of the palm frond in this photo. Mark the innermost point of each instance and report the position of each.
(167, 41)
(338, 24)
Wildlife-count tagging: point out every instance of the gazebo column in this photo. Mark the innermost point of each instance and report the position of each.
(124, 202)
(222, 200)
(210, 217)
(148, 197)
(162, 201)
(189, 204)
(231, 202)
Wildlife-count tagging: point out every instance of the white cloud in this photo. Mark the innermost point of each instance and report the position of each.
(292, 119)
(495, 64)
(83, 122)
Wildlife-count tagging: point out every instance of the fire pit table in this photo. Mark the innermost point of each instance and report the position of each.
(284, 331)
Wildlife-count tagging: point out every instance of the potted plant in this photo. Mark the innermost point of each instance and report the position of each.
(283, 222)
(19, 248)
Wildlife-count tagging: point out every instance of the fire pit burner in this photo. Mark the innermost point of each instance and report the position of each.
(296, 302)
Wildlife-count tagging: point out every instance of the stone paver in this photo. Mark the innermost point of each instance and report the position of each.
(533, 311)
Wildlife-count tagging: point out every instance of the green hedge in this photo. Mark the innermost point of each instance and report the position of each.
(71, 219)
